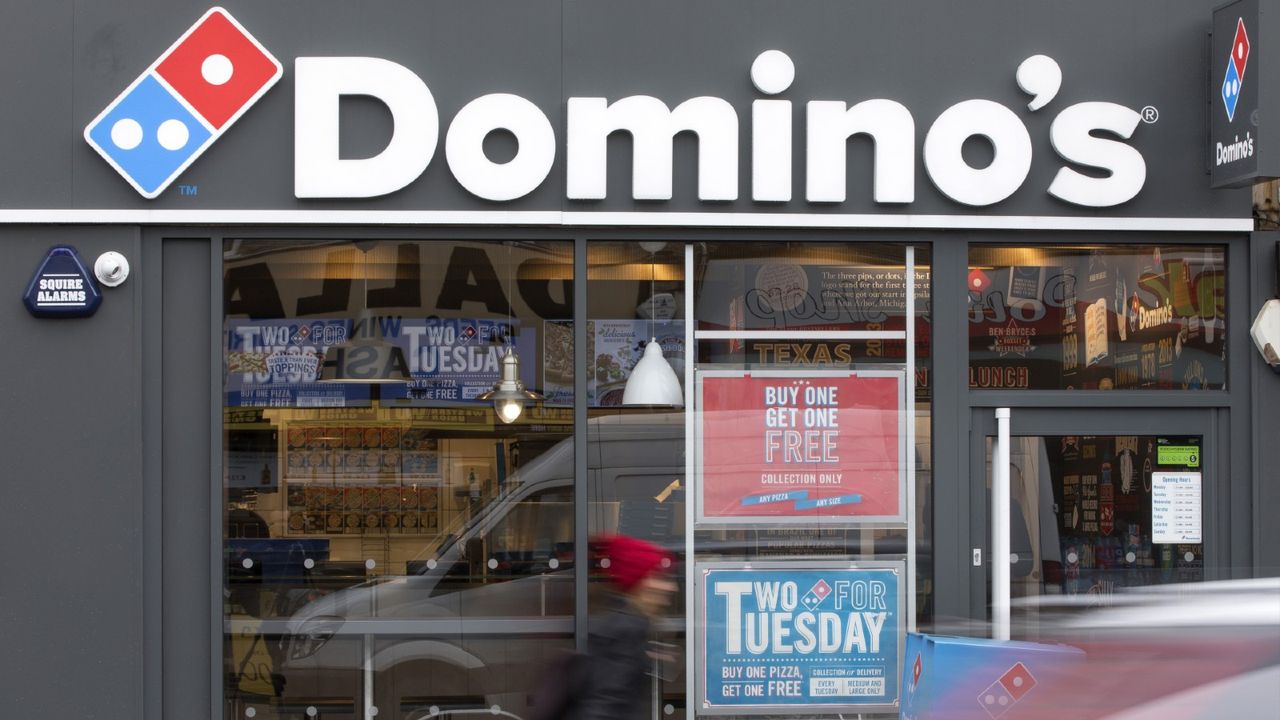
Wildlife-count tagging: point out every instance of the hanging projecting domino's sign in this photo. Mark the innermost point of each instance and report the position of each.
(1243, 96)
(214, 72)
(799, 638)
(806, 447)
(62, 287)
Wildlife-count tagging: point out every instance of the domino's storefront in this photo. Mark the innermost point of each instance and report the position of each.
(347, 328)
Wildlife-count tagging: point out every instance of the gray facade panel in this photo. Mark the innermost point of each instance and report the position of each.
(71, 604)
(926, 55)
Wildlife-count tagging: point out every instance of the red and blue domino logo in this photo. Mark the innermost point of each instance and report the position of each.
(184, 102)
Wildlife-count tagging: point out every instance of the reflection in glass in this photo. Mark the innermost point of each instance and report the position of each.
(394, 546)
(1123, 317)
(1092, 515)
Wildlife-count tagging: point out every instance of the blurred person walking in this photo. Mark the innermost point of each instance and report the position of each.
(611, 681)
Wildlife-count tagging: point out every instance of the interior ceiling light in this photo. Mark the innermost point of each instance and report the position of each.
(366, 357)
(653, 382)
(508, 393)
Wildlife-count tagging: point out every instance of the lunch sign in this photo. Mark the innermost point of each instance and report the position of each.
(801, 447)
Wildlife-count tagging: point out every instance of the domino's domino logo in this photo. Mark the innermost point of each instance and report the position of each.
(1236, 65)
(184, 102)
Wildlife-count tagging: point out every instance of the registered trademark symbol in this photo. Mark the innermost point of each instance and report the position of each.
(1150, 114)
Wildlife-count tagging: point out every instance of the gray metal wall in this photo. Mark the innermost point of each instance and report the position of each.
(1264, 495)
(73, 577)
(105, 591)
(62, 62)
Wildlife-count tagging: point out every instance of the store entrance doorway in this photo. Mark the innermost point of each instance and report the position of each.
(1100, 500)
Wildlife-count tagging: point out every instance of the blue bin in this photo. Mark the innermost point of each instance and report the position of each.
(961, 678)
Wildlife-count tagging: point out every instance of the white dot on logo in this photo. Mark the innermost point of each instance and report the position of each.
(772, 72)
(216, 69)
(1017, 682)
(1004, 700)
(126, 134)
(990, 699)
(1240, 51)
(977, 283)
(173, 134)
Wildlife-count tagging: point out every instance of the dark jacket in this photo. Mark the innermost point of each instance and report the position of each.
(617, 680)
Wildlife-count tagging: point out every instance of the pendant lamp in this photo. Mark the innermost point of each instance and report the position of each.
(653, 382)
(508, 394)
(366, 357)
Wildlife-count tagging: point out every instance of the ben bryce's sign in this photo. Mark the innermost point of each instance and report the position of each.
(159, 125)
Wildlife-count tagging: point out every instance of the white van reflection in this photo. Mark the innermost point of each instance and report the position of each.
(494, 601)
(473, 621)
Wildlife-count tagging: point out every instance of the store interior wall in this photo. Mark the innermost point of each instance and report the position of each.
(72, 583)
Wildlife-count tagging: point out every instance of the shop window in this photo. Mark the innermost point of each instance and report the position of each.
(637, 483)
(1093, 515)
(390, 543)
(1118, 317)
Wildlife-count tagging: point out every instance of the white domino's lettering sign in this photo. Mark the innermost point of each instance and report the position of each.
(171, 114)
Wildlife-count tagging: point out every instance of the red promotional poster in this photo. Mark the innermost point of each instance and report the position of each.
(801, 447)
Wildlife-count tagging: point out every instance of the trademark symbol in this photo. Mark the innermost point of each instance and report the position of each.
(190, 190)
(1150, 114)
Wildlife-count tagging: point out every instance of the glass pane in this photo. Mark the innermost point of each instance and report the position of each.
(1120, 317)
(385, 529)
(636, 453)
(1091, 515)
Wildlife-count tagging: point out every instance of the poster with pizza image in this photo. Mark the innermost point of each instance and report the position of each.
(815, 447)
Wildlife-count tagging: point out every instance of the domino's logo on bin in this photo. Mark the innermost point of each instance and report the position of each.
(1016, 682)
(184, 102)
(1236, 64)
